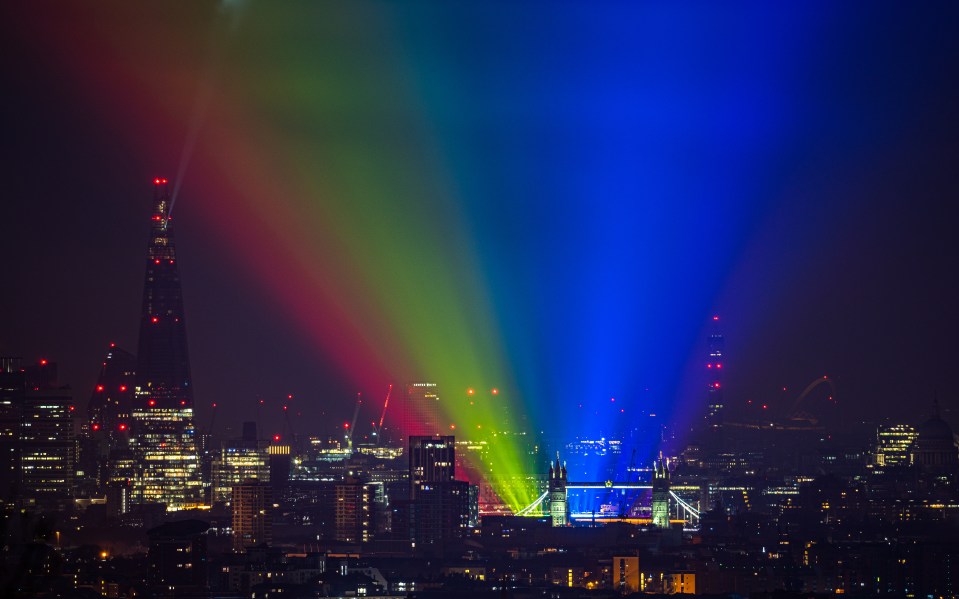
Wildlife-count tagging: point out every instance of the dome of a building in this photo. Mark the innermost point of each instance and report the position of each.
(935, 429)
(935, 444)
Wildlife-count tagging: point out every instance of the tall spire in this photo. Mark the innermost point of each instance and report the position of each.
(163, 437)
(163, 367)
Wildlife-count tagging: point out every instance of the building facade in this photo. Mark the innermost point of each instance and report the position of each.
(558, 500)
(432, 459)
(252, 504)
(714, 387)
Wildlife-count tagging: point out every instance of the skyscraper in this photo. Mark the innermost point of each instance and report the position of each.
(163, 436)
(439, 509)
(110, 401)
(714, 368)
(238, 460)
(252, 505)
(894, 444)
(12, 392)
(47, 445)
(432, 460)
(106, 430)
(354, 511)
(421, 413)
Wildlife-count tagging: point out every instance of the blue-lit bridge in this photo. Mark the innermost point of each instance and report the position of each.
(684, 512)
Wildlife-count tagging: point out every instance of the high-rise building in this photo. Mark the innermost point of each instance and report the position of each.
(252, 506)
(439, 507)
(239, 460)
(714, 369)
(432, 460)
(894, 444)
(354, 511)
(441, 511)
(37, 445)
(163, 437)
(280, 464)
(106, 428)
(234, 465)
(12, 391)
(113, 394)
(422, 415)
(48, 447)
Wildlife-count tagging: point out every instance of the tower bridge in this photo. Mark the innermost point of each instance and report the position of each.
(667, 507)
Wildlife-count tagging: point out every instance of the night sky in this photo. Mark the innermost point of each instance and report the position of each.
(549, 198)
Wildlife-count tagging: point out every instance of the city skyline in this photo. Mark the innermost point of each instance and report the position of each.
(825, 246)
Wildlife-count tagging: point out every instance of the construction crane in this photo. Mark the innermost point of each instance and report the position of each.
(378, 428)
(352, 425)
(209, 428)
(288, 424)
(623, 511)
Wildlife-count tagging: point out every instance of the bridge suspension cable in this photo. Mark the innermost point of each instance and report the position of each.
(531, 507)
(689, 509)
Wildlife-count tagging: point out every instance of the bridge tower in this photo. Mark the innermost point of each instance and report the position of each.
(558, 503)
(661, 492)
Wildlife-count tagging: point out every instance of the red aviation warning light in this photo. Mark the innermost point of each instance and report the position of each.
(276, 438)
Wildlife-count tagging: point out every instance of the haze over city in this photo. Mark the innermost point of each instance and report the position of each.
(556, 200)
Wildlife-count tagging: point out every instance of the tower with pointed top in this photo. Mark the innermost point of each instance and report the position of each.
(558, 502)
(163, 437)
(661, 492)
